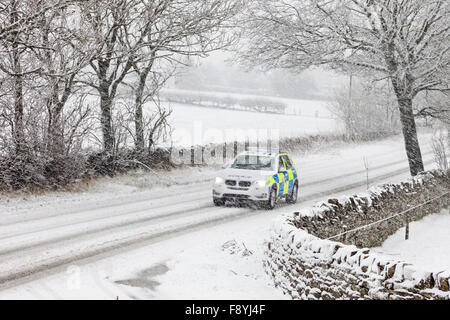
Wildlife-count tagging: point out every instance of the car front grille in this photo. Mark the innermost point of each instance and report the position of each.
(230, 183)
(245, 184)
(236, 196)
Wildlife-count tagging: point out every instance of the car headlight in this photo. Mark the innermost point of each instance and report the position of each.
(261, 183)
(219, 180)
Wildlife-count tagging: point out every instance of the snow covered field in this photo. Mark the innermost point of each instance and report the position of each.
(193, 125)
(308, 108)
(132, 238)
(200, 125)
(428, 246)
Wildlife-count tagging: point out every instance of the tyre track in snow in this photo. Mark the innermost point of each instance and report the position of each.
(207, 215)
(100, 228)
(390, 164)
(148, 201)
(107, 217)
(377, 179)
(122, 204)
(127, 215)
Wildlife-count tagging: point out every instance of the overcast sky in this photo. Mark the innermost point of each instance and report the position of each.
(220, 72)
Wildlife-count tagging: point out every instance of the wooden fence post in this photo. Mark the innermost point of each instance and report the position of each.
(407, 228)
(224, 153)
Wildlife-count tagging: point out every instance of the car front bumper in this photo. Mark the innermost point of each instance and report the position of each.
(253, 193)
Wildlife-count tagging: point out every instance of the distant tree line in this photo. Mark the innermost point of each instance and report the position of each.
(230, 78)
(204, 99)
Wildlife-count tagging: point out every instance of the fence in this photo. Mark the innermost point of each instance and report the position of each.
(403, 213)
(217, 153)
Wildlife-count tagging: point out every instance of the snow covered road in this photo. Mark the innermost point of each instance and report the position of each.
(39, 237)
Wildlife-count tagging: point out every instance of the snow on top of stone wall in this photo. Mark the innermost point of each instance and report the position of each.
(377, 268)
(369, 196)
(383, 273)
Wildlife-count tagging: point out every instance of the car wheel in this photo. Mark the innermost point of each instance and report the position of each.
(219, 202)
(271, 203)
(292, 198)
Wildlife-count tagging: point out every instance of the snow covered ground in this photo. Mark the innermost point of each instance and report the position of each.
(191, 266)
(200, 125)
(308, 108)
(136, 238)
(193, 125)
(428, 247)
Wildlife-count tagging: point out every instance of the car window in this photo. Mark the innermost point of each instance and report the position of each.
(253, 162)
(280, 163)
(288, 162)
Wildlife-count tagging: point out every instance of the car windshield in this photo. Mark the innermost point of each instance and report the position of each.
(254, 162)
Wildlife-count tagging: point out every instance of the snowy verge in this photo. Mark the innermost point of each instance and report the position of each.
(307, 266)
(422, 195)
(428, 243)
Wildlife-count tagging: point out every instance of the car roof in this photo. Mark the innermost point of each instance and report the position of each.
(262, 153)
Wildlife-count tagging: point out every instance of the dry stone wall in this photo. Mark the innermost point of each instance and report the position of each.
(336, 216)
(307, 266)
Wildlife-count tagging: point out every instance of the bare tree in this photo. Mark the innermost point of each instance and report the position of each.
(405, 41)
(154, 123)
(179, 29)
(56, 53)
(41, 51)
(63, 54)
(12, 66)
(20, 39)
(111, 61)
(133, 34)
(366, 110)
(440, 149)
(25, 14)
(147, 93)
(433, 105)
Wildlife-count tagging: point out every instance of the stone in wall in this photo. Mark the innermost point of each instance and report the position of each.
(336, 216)
(306, 266)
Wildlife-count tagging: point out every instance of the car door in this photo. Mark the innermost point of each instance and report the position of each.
(283, 177)
(294, 170)
(290, 175)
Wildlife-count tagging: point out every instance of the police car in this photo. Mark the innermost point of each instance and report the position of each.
(262, 177)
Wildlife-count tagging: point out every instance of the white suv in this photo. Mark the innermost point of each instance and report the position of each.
(261, 177)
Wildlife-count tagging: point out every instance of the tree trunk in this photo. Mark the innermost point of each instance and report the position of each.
(138, 119)
(106, 101)
(139, 101)
(108, 136)
(56, 138)
(55, 131)
(56, 147)
(19, 137)
(410, 135)
(18, 133)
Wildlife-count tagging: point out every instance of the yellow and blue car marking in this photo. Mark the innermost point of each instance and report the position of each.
(284, 181)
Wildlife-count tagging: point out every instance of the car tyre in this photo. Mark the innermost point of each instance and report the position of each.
(219, 202)
(272, 202)
(293, 197)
